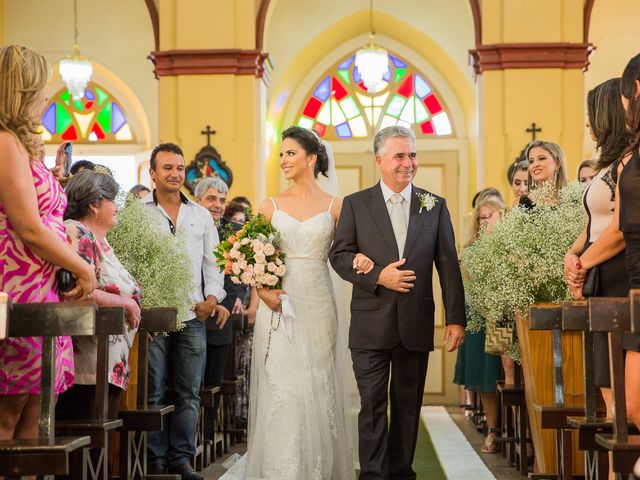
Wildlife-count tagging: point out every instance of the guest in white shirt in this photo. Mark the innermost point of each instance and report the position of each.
(170, 451)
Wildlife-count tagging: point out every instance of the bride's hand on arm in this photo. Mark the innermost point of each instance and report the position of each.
(362, 264)
(271, 298)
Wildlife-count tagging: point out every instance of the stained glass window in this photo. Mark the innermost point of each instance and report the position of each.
(340, 107)
(96, 118)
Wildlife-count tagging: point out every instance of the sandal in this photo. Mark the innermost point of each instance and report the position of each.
(490, 445)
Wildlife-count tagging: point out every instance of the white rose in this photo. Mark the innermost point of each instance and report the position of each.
(236, 268)
(281, 271)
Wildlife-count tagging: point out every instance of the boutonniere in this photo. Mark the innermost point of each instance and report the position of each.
(427, 201)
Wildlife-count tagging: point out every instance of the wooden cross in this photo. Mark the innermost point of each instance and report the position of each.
(533, 130)
(208, 132)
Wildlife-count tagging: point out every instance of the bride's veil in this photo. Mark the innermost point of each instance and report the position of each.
(342, 289)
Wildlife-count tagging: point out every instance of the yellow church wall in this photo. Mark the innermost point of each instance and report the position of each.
(197, 24)
(512, 99)
(524, 21)
(1, 22)
(117, 36)
(330, 41)
(229, 109)
(614, 33)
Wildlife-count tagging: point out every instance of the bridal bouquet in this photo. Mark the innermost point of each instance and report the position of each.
(252, 255)
(521, 262)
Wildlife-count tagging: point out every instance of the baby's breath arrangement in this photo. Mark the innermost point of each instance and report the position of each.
(521, 261)
(156, 259)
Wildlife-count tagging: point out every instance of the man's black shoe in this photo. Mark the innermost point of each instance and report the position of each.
(185, 471)
(156, 469)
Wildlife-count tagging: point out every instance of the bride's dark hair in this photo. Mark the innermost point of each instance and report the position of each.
(311, 143)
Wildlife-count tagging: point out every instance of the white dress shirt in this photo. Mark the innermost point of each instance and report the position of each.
(201, 237)
(387, 193)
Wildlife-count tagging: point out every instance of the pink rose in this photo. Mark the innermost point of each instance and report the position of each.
(235, 268)
(272, 267)
(281, 271)
(244, 241)
(232, 239)
(246, 278)
(271, 280)
(260, 258)
(257, 246)
(259, 268)
(233, 253)
(278, 261)
(236, 280)
(269, 249)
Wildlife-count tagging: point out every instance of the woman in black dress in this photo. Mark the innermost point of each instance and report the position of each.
(597, 246)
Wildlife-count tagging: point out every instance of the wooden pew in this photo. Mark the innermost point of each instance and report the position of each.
(47, 455)
(613, 315)
(514, 437)
(144, 418)
(575, 317)
(549, 317)
(109, 321)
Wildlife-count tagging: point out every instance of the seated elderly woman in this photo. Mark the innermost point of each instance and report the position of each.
(90, 214)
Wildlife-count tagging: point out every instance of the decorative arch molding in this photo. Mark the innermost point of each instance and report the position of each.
(152, 6)
(501, 56)
(261, 21)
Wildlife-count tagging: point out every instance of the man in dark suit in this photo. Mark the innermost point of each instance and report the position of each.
(404, 230)
(211, 193)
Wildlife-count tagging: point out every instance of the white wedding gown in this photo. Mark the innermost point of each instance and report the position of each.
(296, 417)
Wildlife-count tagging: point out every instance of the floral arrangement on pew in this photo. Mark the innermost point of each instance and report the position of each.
(521, 262)
(157, 259)
(252, 255)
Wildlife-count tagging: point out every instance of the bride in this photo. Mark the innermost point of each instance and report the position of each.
(297, 425)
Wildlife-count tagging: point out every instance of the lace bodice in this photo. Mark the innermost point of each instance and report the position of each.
(310, 239)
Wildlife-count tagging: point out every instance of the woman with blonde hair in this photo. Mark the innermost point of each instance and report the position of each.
(546, 166)
(33, 243)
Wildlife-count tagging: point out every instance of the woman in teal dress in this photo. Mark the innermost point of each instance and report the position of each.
(476, 370)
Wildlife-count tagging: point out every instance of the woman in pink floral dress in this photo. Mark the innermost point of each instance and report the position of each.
(32, 239)
(89, 217)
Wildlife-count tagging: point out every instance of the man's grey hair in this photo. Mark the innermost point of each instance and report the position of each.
(210, 182)
(391, 132)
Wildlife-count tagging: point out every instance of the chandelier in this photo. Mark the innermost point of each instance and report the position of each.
(372, 61)
(75, 70)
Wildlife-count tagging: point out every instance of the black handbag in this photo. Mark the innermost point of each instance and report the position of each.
(592, 287)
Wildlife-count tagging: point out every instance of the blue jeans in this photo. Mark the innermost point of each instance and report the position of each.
(177, 361)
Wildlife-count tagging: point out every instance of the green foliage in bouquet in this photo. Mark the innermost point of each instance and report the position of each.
(521, 261)
(156, 259)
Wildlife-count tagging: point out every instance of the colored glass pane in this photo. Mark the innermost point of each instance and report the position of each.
(399, 74)
(396, 105)
(117, 118)
(377, 111)
(339, 92)
(83, 121)
(104, 118)
(49, 119)
(323, 90)
(63, 119)
(88, 105)
(421, 112)
(406, 88)
(325, 114)
(380, 100)
(344, 74)
(387, 76)
(89, 95)
(46, 136)
(343, 130)
(78, 105)
(387, 121)
(427, 128)
(356, 75)
(421, 87)
(397, 62)
(305, 122)
(432, 104)
(441, 124)
(364, 100)
(70, 134)
(320, 129)
(102, 96)
(97, 131)
(337, 116)
(349, 108)
(347, 63)
(65, 97)
(408, 112)
(312, 108)
(358, 127)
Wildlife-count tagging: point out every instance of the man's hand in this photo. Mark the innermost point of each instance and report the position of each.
(453, 337)
(398, 280)
(222, 315)
(204, 309)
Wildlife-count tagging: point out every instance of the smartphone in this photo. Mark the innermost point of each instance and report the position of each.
(67, 158)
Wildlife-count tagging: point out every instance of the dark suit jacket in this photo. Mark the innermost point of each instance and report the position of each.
(381, 318)
(225, 336)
